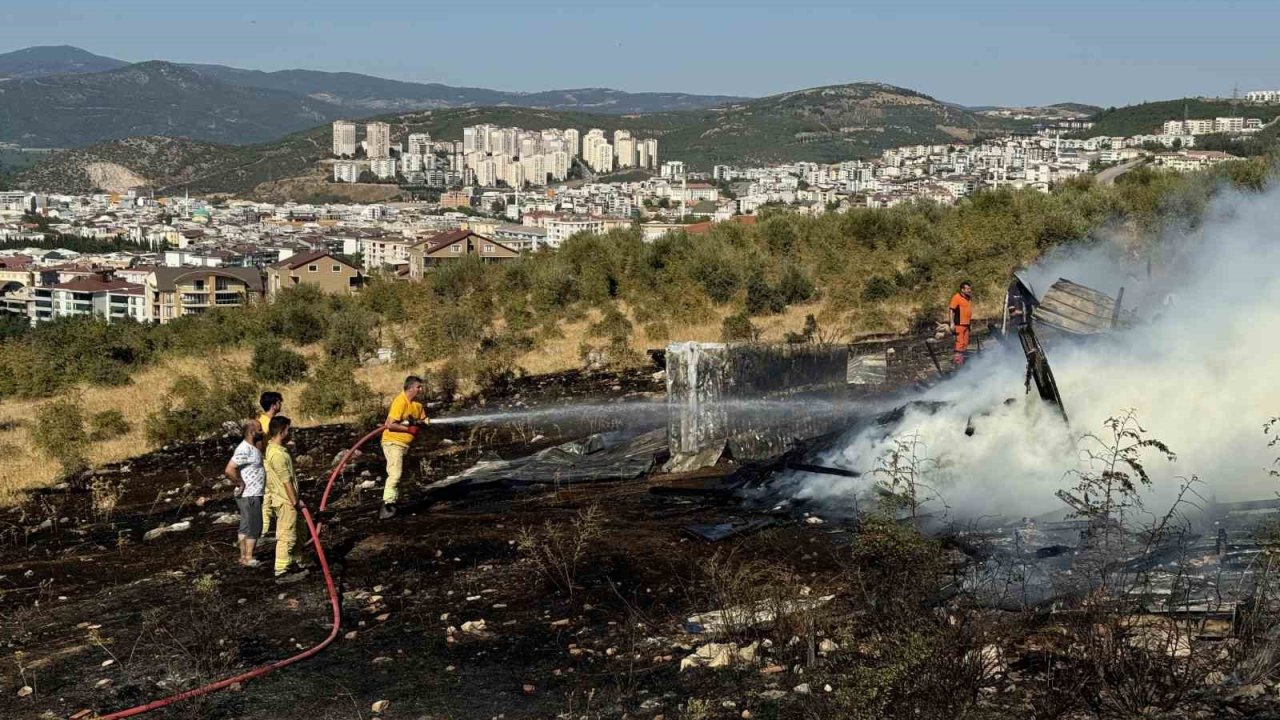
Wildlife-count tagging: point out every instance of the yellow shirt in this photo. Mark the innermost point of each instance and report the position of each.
(280, 476)
(264, 420)
(402, 408)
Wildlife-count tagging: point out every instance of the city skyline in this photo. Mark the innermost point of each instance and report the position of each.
(1121, 52)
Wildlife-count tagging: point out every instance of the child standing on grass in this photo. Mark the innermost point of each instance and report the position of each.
(246, 470)
(281, 501)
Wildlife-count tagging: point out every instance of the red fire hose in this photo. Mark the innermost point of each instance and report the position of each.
(333, 601)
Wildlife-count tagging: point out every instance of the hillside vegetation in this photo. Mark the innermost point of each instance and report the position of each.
(819, 125)
(1147, 118)
(604, 298)
(151, 98)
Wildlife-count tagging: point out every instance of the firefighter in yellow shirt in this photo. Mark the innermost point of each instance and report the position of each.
(281, 500)
(403, 420)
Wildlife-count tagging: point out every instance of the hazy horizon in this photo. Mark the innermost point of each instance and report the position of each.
(988, 52)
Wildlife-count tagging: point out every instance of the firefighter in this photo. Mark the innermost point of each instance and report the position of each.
(403, 419)
(961, 308)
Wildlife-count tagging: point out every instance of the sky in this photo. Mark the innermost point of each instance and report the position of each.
(981, 52)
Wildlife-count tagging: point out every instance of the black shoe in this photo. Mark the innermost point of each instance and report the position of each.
(388, 511)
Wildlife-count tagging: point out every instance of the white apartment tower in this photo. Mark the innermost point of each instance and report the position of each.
(574, 140)
(344, 138)
(419, 144)
(378, 140)
(648, 149)
(625, 148)
(597, 152)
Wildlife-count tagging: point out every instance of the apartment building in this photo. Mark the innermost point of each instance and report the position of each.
(377, 140)
(453, 246)
(318, 268)
(113, 300)
(344, 138)
(174, 292)
(386, 251)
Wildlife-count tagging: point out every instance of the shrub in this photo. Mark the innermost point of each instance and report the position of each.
(59, 434)
(738, 328)
(198, 406)
(108, 425)
(794, 286)
(762, 298)
(274, 363)
(613, 324)
(298, 314)
(350, 335)
(333, 390)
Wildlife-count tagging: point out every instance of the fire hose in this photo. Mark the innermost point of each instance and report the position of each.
(333, 602)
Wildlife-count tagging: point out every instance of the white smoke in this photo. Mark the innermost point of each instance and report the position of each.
(1201, 372)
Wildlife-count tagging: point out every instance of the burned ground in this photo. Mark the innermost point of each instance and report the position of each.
(825, 620)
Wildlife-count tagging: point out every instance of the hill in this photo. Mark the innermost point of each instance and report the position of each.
(1146, 118)
(45, 60)
(118, 165)
(825, 124)
(151, 98)
(367, 94)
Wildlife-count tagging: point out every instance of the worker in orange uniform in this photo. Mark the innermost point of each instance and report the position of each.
(961, 308)
(403, 420)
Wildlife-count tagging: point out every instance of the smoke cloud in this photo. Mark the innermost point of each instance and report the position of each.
(1199, 368)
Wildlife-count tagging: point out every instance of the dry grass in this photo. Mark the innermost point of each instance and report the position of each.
(23, 468)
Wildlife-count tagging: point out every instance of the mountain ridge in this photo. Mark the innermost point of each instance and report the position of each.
(823, 124)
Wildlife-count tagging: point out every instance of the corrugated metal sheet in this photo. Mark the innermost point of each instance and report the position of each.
(1076, 309)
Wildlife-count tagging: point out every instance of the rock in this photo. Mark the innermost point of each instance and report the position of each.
(108, 662)
(383, 617)
(826, 688)
(83, 715)
(350, 636)
(528, 689)
(564, 622)
(827, 646)
(103, 683)
(1248, 692)
(801, 689)
(773, 694)
(304, 461)
(25, 691)
(746, 715)
(1214, 678)
(991, 659)
(381, 660)
(231, 427)
(749, 653)
(380, 706)
(165, 530)
(227, 519)
(651, 704)
(813, 520)
(367, 485)
(365, 473)
(474, 627)
(772, 670)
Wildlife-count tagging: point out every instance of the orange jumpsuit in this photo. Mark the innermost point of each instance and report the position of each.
(961, 316)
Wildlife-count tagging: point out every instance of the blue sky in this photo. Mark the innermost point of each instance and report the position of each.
(977, 53)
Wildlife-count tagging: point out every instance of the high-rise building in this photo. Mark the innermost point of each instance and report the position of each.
(419, 144)
(651, 151)
(344, 138)
(377, 140)
(572, 137)
(625, 150)
(597, 152)
(619, 135)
